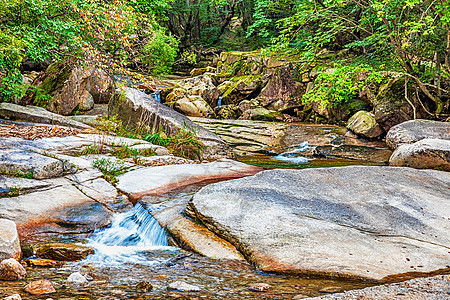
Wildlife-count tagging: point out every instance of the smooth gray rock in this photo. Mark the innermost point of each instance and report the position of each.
(136, 108)
(157, 180)
(21, 162)
(431, 288)
(36, 114)
(415, 130)
(424, 154)
(77, 279)
(9, 240)
(358, 222)
(63, 204)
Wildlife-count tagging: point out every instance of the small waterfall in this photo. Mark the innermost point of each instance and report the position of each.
(294, 156)
(130, 236)
(157, 96)
(219, 102)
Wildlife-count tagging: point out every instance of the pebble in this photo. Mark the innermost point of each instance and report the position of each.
(12, 270)
(77, 279)
(144, 286)
(300, 296)
(40, 287)
(183, 287)
(260, 287)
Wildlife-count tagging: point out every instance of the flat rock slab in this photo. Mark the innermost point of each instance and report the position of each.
(415, 130)
(352, 222)
(62, 208)
(162, 179)
(36, 114)
(431, 288)
(23, 162)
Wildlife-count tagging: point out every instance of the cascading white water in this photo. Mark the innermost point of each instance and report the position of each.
(294, 155)
(130, 235)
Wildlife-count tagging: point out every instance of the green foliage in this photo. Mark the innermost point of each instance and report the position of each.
(109, 168)
(124, 151)
(339, 85)
(184, 143)
(159, 54)
(11, 192)
(19, 174)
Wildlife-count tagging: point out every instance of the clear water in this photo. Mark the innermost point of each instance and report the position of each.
(295, 156)
(133, 237)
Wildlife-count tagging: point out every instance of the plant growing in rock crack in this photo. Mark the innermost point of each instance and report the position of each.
(19, 174)
(109, 168)
(11, 192)
(184, 143)
(124, 151)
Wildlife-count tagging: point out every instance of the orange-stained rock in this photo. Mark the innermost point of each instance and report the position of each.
(40, 287)
(63, 252)
(12, 270)
(42, 262)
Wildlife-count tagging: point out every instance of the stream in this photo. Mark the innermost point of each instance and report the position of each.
(135, 259)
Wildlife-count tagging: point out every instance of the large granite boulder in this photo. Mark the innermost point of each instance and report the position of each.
(69, 87)
(415, 130)
(350, 222)
(202, 86)
(424, 154)
(240, 88)
(391, 107)
(192, 106)
(363, 123)
(138, 109)
(9, 240)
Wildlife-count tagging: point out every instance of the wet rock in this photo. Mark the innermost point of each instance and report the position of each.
(157, 180)
(199, 239)
(12, 270)
(415, 130)
(13, 297)
(183, 287)
(63, 252)
(27, 163)
(35, 114)
(9, 240)
(40, 287)
(353, 152)
(364, 124)
(330, 289)
(77, 279)
(350, 222)
(144, 287)
(424, 154)
(27, 250)
(134, 107)
(42, 263)
(260, 287)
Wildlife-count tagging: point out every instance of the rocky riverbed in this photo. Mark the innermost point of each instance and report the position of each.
(307, 232)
